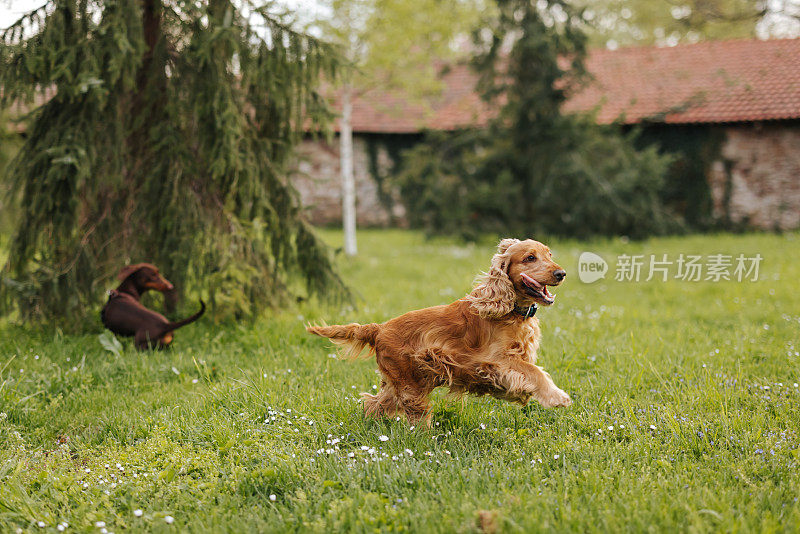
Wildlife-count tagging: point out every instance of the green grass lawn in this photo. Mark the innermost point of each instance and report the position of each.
(686, 413)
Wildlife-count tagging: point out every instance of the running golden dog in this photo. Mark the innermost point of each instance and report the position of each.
(484, 343)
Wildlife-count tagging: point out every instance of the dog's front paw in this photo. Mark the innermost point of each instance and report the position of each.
(555, 398)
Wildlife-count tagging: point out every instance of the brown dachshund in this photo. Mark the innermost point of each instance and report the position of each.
(125, 315)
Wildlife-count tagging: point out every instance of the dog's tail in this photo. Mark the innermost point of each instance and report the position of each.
(352, 338)
(177, 324)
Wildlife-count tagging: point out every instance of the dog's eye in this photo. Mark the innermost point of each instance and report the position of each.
(530, 258)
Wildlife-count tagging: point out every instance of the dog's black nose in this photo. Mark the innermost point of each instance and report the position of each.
(560, 274)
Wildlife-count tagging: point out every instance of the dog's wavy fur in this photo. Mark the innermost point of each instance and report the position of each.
(477, 344)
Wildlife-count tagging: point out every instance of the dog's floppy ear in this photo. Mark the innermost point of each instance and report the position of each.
(129, 270)
(503, 245)
(494, 295)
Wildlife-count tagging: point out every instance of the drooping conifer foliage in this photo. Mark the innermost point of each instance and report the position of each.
(166, 141)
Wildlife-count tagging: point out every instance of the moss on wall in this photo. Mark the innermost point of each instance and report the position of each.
(687, 192)
(383, 169)
(694, 149)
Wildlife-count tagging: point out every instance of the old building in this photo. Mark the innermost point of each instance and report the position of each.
(730, 110)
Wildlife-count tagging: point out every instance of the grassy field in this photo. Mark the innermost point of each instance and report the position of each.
(686, 413)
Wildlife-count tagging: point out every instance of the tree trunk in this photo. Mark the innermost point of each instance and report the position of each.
(348, 180)
(150, 100)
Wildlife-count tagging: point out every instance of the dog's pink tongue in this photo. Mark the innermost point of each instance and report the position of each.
(528, 280)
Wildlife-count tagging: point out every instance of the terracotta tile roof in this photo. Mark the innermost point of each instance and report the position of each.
(710, 82)
(457, 106)
(722, 81)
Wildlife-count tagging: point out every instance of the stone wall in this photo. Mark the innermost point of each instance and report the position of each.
(757, 180)
(318, 179)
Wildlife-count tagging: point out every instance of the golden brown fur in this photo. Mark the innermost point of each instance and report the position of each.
(477, 344)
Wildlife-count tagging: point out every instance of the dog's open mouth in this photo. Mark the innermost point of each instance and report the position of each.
(537, 290)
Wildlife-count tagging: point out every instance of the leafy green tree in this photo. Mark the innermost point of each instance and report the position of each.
(391, 45)
(626, 22)
(535, 170)
(167, 141)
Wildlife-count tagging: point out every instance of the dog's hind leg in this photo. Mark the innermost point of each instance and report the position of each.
(415, 404)
(165, 340)
(142, 340)
(385, 403)
(411, 399)
(401, 390)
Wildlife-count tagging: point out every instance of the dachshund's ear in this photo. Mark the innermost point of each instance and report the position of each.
(494, 295)
(128, 270)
